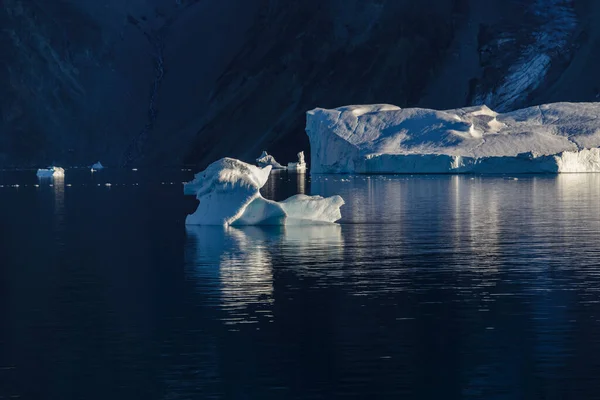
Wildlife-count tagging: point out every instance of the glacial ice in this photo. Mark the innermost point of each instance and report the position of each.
(97, 166)
(267, 159)
(381, 138)
(50, 172)
(299, 166)
(229, 195)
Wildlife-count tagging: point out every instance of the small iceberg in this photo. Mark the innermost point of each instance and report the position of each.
(299, 166)
(229, 195)
(267, 159)
(97, 166)
(51, 172)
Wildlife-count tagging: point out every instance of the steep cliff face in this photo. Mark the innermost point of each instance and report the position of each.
(188, 81)
(65, 78)
(327, 53)
(83, 80)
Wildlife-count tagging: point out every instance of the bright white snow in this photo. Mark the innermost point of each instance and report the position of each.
(299, 166)
(267, 159)
(229, 194)
(552, 138)
(50, 172)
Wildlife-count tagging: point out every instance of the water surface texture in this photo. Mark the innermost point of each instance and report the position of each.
(431, 287)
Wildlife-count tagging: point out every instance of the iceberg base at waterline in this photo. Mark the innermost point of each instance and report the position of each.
(229, 194)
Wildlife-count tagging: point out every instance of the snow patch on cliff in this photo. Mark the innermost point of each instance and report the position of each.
(559, 22)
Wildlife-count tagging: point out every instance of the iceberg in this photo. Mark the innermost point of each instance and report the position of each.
(50, 172)
(229, 195)
(97, 166)
(267, 159)
(299, 166)
(382, 138)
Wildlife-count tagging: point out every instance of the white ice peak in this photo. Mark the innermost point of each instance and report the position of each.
(267, 159)
(229, 194)
(299, 166)
(561, 137)
(301, 158)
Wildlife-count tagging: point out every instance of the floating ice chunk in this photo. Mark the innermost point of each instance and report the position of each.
(50, 172)
(299, 166)
(267, 159)
(552, 138)
(97, 166)
(229, 194)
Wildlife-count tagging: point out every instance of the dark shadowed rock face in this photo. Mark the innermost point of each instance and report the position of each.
(169, 82)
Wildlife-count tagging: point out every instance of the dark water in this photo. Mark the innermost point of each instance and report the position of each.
(438, 287)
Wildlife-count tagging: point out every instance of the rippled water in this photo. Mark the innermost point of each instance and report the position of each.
(431, 287)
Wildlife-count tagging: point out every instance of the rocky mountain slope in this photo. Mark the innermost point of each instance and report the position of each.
(168, 82)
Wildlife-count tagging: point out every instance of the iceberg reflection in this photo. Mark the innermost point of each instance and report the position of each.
(310, 244)
(235, 265)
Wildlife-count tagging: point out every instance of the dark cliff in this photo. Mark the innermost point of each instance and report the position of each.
(168, 82)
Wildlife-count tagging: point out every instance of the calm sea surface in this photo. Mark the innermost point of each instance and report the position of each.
(431, 287)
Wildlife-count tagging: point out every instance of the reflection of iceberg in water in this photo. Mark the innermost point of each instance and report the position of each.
(301, 183)
(59, 198)
(306, 235)
(245, 271)
(236, 264)
(313, 242)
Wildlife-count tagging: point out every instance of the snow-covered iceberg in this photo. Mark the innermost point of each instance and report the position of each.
(50, 172)
(299, 166)
(229, 194)
(552, 138)
(97, 166)
(267, 159)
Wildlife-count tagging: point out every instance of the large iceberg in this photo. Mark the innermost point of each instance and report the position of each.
(552, 138)
(229, 194)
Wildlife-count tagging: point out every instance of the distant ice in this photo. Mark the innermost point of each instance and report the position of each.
(552, 138)
(267, 159)
(229, 194)
(50, 172)
(97, 166)
(299, 166)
